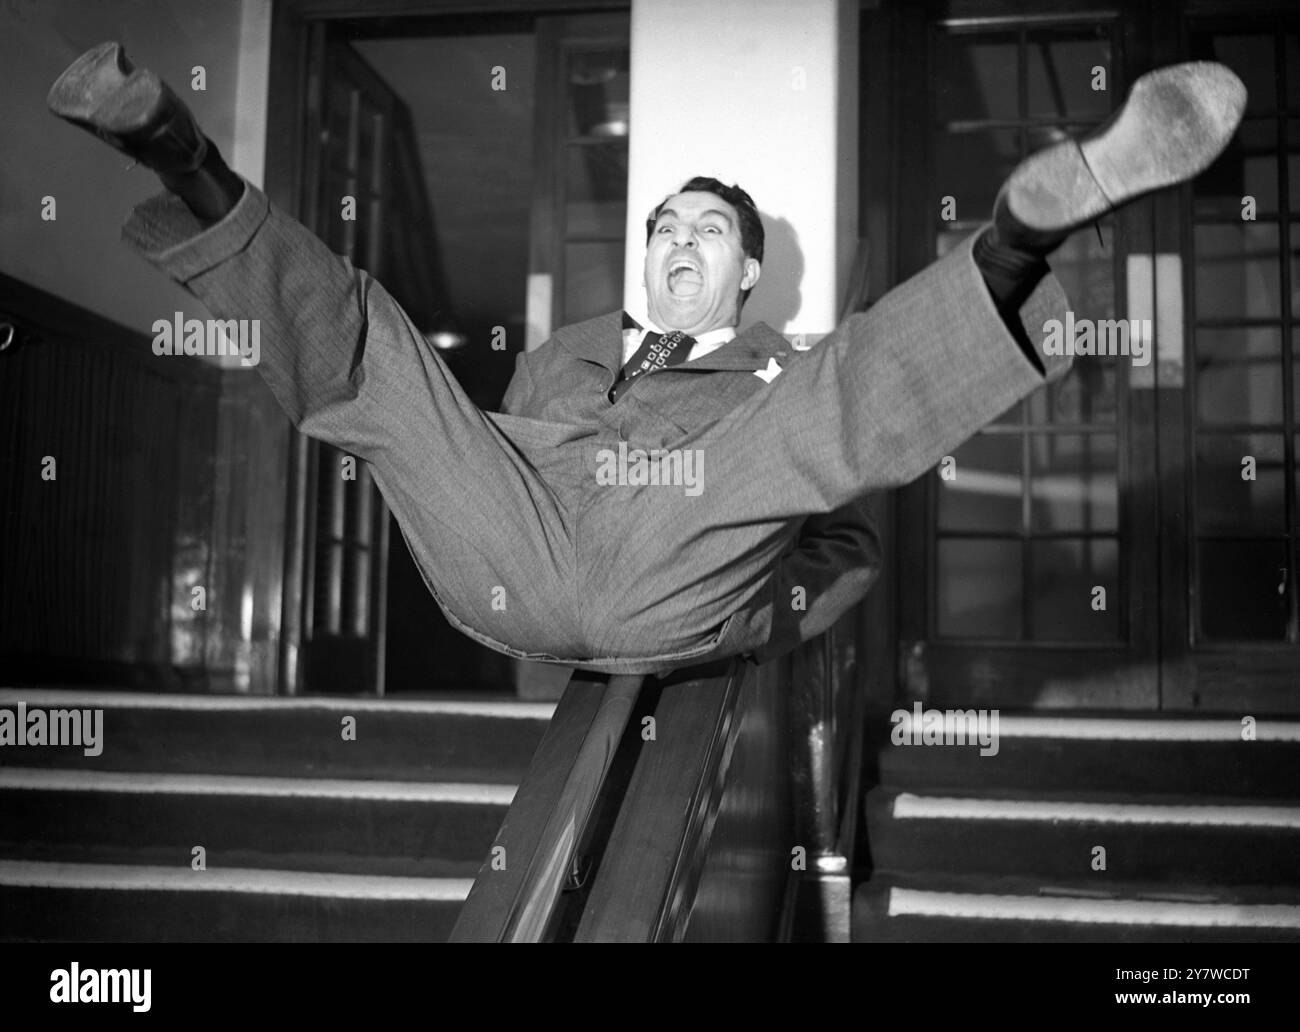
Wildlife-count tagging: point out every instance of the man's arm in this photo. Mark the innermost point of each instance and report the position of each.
(835, 560)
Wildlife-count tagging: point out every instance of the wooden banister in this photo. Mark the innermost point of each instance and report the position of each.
(537, 897)
(688, 831)
(517, 894)
(708, 798)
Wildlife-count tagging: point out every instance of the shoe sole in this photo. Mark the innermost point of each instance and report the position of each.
(1173, 125)
(101, 90)
(104, 93)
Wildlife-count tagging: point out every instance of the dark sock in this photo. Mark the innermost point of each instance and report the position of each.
(211, 191)
(1011, 274)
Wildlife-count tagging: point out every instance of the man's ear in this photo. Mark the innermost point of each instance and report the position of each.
(752, 271)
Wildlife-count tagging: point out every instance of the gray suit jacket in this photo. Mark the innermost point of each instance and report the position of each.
(835, 558)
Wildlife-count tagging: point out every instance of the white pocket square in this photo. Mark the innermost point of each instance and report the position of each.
(770, 373)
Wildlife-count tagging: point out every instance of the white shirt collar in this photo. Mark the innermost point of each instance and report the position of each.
(705, 343)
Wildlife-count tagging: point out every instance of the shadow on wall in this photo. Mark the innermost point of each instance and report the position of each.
(777, 297)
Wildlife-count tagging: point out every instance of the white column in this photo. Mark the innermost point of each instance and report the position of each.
(252, 91)
(761, 93)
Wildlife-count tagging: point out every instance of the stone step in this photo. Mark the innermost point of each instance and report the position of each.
(417, 740)
(1090, 754)
(358, 826)
(913, 910)
(1174, 841)
(140, 903)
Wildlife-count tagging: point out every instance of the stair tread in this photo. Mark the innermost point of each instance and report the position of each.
(254, 857)
(952, 906)
(904, 804)
(1013, 793)
(107, 699)
(1111, 728)
(47, 874)
(145, 782)
(1084, 884)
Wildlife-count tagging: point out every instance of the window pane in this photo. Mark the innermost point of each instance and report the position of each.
(1247, 167)
(1292, 47)
(1237, 271)
(971, 167)
(976, 78)
(1227, 501)
(598, 93)
(979, 589)
(1074, 485)
(1060, 76)
(1293, 175)
(1065, 576)
(1295, 263)
(1238, 375)
(985, 492)
(593, 279)
(1086, 394)
(596, 190)
(1085, 265)
(1237, 589)
(1295, 378)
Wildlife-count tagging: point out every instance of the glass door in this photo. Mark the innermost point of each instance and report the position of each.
(1129, 538)
(1038, 548)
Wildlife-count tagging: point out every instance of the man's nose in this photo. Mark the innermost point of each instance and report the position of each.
(684, 236)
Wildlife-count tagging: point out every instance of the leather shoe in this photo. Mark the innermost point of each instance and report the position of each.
(130, 108)
(1174, 123)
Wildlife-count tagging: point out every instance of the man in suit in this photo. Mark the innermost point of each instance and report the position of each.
(650, 496)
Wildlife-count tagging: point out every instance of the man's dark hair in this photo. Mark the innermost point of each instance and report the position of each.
(751, 226)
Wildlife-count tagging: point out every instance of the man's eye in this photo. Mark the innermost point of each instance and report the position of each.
(712, 229)
(664, 229)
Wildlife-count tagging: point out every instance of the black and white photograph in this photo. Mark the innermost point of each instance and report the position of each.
(592, 471)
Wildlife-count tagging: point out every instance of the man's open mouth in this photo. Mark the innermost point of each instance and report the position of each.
(685, 278)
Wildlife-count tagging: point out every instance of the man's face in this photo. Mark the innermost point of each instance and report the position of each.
(695, 267)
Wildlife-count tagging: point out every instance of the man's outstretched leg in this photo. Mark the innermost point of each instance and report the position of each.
(347, 366)
(891, 391)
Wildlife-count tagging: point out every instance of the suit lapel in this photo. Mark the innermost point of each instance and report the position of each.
(598, 340)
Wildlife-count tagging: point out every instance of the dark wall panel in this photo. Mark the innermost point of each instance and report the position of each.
(97, 565)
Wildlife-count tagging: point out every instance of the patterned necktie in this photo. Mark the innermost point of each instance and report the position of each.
(657, 351)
